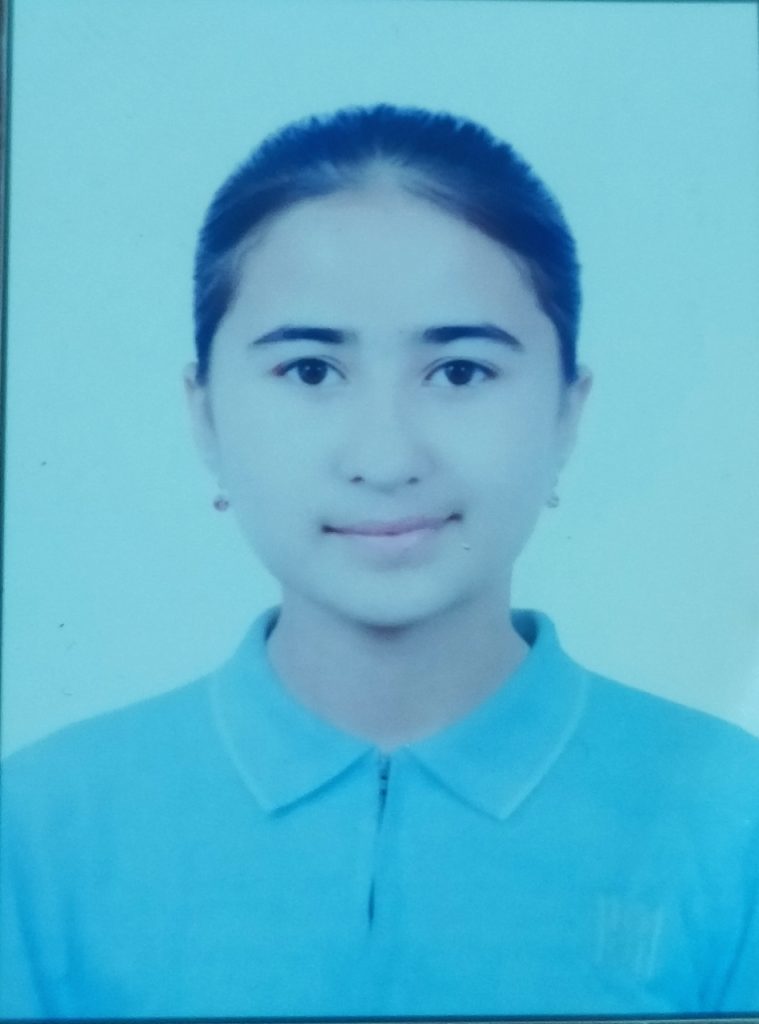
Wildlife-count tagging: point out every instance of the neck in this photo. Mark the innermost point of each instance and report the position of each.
(392, 686)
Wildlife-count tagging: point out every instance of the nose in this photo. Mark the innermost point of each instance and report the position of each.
(382, 444)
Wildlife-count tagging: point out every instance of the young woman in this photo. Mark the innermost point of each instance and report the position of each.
(399, 796)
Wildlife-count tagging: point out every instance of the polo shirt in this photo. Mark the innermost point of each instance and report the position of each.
(571, 846)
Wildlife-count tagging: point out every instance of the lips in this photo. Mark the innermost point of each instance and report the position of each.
(393, 528)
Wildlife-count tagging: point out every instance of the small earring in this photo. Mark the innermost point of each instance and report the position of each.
(221, 503)
(553, 501)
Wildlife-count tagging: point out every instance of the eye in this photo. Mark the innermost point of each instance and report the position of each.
(311, 371)
(459, 372)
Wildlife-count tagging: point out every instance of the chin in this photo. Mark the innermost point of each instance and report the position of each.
(392, 611)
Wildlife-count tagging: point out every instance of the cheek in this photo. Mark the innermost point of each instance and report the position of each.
(270, 480)
(255, 449)
(265, 483)
(267, 500)
(505, 504)
(510, 459)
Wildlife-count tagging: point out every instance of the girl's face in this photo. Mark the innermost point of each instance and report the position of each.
(384, 407)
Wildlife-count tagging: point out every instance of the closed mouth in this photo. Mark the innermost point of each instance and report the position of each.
(393, 528)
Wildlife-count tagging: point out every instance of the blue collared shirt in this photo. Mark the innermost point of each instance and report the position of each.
(571, 846)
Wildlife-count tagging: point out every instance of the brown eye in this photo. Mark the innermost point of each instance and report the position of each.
(461, 372)
(310, 371)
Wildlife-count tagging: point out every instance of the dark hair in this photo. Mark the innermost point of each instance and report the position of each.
(454, 163)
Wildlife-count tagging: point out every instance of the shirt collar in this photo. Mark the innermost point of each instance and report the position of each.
(497, 754)
(492, 758)
(282, 750)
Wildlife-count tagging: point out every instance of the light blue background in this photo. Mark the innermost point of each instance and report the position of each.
(120, 578)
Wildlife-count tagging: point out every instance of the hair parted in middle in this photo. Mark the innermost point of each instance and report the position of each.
(451, 162)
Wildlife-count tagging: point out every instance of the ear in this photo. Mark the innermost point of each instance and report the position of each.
(570, 413)
(201, 418)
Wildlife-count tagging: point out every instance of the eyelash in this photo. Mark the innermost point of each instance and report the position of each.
(284, 369)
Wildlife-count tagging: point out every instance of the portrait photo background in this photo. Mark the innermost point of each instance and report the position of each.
(121, 580)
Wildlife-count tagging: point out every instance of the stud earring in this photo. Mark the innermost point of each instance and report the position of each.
(553, 501)
(221, 503)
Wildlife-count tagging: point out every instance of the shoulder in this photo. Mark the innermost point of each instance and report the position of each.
(147, 731)
(670, 751)
(651, 744)
(128, 748)
(650, 720)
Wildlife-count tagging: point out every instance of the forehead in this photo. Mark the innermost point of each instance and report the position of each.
(379, 246)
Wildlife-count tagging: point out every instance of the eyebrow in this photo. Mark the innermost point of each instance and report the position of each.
(328, 335)
(443, 335)
(432, 335)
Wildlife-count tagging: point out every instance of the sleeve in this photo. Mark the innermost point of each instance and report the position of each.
(741, 994)
(19, 991)
(741, 991)
(22, 917)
